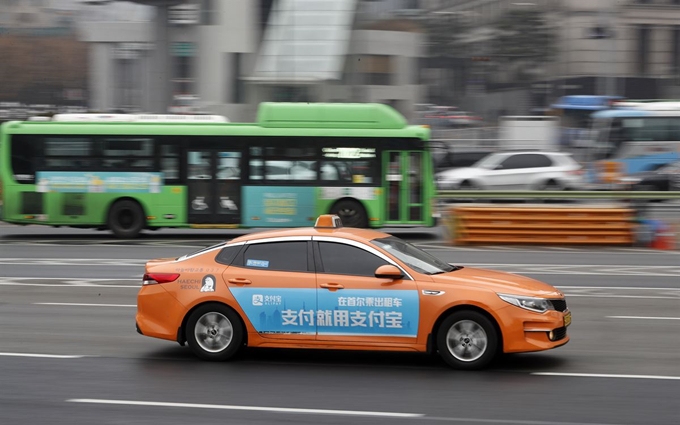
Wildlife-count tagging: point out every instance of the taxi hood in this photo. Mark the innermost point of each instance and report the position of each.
(496, 281)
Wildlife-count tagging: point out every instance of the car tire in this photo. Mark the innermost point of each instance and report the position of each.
(126, 219)
(468, 185)
(214, 332)
(467, 340)
(551, 185)
(351, 213)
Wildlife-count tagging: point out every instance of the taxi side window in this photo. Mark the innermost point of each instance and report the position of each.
(227, 255)
(338, 258)
(279, 256)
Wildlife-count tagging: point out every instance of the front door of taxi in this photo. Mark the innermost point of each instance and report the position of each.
(354, 305)
(214, 186)
(275, 285)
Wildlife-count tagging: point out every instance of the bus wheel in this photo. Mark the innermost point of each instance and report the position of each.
(126, 219)
(351, 213)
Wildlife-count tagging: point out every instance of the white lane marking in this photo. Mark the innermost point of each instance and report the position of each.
(643, 318)
(139, 279)
(87, 305)
(548, 249)
(637, 297)
(85, 285)
(580, 269)
(42, 356)
(83, 262)
(248, 408)
(607, 375)
(73, 282)
(637, 288)
(507, 421)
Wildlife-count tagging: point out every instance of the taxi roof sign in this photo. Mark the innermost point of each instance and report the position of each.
(328, 221)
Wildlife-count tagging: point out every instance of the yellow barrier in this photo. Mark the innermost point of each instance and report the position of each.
(491, 224)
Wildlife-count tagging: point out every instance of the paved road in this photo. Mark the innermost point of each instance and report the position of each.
(69, 353)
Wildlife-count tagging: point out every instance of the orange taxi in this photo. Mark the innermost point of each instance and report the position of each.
(331, 287)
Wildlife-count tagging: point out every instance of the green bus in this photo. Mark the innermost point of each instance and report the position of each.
(127, 173)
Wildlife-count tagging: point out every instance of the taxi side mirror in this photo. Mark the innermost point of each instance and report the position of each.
(388, 271)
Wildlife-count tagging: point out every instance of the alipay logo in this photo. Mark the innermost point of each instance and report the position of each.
(258, 299)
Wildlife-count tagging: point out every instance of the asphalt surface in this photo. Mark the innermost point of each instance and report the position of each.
(69, 353)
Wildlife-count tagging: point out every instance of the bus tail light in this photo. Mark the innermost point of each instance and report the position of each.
(156, 278)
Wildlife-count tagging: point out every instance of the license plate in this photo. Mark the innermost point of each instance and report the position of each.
(567, 319)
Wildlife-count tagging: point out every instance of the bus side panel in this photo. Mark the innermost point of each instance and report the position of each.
(278, 206)
(165, 209)
(372, 199)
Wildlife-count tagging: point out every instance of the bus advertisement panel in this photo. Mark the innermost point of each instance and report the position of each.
(362, 162)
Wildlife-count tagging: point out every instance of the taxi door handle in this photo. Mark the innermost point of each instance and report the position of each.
(331, 286)
(240, 281)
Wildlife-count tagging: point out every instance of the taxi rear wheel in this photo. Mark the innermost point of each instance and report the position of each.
(467, 340)
(214, 332)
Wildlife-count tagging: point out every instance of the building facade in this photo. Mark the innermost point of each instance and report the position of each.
(629, 48)
(230, 55)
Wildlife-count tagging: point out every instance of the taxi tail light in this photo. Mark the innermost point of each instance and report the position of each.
(156, 278)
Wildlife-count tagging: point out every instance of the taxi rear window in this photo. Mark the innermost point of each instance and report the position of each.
(227, 254)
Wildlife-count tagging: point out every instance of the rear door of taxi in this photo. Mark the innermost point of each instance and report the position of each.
(354, 305)
(274, 283)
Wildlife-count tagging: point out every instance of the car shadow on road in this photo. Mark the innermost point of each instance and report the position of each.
(375, 360)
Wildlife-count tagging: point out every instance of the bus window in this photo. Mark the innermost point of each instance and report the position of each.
(25, 155)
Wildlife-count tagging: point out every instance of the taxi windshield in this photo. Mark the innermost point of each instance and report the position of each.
(415, 258)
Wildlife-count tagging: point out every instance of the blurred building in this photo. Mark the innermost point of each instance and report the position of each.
(614, 47)
(38, 17)
(230, 55)
(42, 60)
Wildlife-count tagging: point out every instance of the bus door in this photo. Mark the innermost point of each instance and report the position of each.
(214, 186)
(404, 187)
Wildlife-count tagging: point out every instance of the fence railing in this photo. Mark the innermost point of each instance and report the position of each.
(555, 194)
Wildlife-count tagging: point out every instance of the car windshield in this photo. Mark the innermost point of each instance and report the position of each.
(415, 258)
(488, 161)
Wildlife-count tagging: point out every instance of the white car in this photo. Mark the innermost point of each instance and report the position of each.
(526, 170)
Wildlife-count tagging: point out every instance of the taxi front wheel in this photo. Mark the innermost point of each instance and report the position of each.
(467, 340)
(214, 332)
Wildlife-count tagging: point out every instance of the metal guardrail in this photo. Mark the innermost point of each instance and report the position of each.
(556, 194)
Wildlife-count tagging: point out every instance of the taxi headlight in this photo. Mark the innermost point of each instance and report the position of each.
(539, 305)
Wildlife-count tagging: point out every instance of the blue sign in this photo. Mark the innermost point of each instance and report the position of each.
(584, 102)
(98, 182)
(279, 310)
(257, 263)
(278, 206)
(368, 312)
(348, 312)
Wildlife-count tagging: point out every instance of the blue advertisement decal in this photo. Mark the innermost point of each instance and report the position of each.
(98, 182)
(257, 263)
(346, 312)
(368, 312)
(276, 206)
(279, 310)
